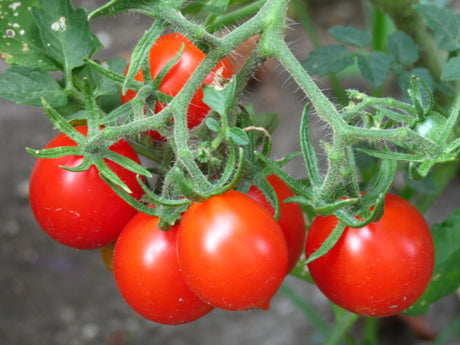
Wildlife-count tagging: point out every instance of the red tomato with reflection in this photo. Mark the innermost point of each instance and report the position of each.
(380, 269)
(232, 252)
(78, 209)
(291, 217)
(147, 274)
(163, 51)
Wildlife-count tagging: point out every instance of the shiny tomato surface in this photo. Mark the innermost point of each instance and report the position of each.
(377, 270)
(79, 209)
(147, 273)
(291, 217)
(232, 252)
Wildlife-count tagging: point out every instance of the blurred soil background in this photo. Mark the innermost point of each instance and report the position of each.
(53, 295)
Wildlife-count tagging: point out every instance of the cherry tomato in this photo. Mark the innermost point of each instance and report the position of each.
(377, 270)
(79, 209)
(148, 276)
(232, 252)
(164, 50)
(291, 217)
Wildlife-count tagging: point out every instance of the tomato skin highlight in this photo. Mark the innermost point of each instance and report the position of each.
(232, 252)
(148, 277)
(78, 209)
(378, 270)
(291, 218)
(164, 50)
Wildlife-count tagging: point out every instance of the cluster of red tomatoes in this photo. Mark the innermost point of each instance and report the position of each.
(229, 251)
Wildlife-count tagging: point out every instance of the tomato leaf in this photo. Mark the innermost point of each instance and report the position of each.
(65, 33)
(28, 85)
(451, 69)
(351, 36)
(212, 124)
(444, 23)
(102, 83)
(20, 42)
(328, 59)
(238, 136)
(403, 48)
(446, 275)
(374, 67)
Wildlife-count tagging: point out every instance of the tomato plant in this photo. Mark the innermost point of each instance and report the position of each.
(79, 209)
(147, 273)
(380, 269)
(163, 51)
(232, 252)
(291, 217)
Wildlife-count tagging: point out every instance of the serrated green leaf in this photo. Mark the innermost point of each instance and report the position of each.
(451, 69)
(328, 59)
(65, 32)
(446, 275)
(20, 42)
(374, 67)
(444, 23)
(238, 136)
(403, 48)
(351, 36)
(28, 85)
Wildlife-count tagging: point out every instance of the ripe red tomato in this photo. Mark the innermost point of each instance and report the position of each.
(232, 252)
(164, 50)
(291, 217)
(79, 209)
(377, 270)
(148, 276)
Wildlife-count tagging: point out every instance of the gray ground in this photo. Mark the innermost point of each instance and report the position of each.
(51, 294)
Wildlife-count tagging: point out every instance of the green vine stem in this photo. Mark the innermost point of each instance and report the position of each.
(269, 22)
